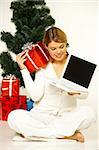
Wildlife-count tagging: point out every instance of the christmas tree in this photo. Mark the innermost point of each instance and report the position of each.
(31, 18)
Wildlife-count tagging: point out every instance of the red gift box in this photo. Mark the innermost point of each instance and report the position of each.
(37, 57)
(10, 86)
(7, 104)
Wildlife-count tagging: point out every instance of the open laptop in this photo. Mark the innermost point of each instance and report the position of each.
(76, 75)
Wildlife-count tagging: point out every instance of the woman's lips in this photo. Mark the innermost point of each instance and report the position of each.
(58, 56)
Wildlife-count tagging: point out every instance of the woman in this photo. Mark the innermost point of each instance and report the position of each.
(56, 114)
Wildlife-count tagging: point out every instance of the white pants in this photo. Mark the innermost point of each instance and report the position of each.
(40, 124)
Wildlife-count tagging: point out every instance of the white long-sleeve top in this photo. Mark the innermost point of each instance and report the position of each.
(48, 97)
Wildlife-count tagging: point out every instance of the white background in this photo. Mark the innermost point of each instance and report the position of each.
(80, 20)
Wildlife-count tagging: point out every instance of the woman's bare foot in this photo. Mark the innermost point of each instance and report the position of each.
(78, 136)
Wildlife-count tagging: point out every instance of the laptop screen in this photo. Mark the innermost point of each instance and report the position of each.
(79, 71)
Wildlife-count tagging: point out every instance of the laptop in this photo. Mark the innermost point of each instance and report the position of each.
(76, 75)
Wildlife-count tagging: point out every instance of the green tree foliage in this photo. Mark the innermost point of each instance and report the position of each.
(31, 18)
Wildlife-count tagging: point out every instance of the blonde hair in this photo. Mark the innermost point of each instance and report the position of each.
(54, 34)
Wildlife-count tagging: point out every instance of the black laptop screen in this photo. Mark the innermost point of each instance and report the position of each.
(79, 71)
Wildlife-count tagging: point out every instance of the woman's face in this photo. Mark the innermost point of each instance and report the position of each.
(57, 51)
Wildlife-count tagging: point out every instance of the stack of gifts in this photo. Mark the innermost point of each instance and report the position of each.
(10, 98)
(37, 56)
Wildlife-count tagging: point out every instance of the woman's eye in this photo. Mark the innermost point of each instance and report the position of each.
(53, 49)
(61, 46)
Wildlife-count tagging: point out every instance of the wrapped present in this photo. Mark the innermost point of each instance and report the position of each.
(37, 56)
(7, 104)
(10, 86)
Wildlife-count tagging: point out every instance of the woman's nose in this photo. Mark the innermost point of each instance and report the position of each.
(58, 51)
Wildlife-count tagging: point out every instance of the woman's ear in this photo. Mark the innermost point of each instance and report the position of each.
(46, 46)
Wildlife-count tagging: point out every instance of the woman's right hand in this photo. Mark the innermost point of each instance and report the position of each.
(20, 59)
(73, 93)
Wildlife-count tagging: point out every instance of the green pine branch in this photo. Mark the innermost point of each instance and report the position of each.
(31, 18)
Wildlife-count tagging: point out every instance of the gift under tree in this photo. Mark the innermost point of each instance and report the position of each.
(31, 18)
(10, 98)
(10, 103)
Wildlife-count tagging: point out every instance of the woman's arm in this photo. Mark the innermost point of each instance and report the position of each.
(35, 88)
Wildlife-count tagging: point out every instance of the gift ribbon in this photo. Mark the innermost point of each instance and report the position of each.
(9, 76)
(10, 83)
(32, 60)
(27, 46)
(10, 87)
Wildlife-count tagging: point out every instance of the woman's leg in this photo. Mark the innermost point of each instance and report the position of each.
(22, 122)
(68, 126)
(29, 123)
(42, 125)
(16, 119)
(88, 120)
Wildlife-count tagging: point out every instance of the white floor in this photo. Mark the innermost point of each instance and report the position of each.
(6, 142)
